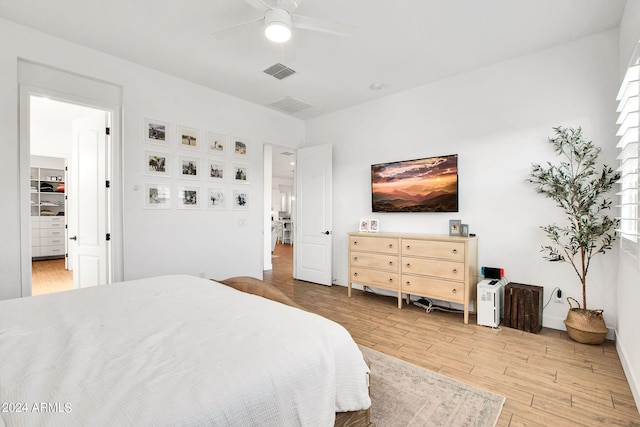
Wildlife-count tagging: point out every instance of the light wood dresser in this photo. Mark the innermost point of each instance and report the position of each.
(433, 266)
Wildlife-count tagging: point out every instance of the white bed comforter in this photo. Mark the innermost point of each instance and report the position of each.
(173, 350)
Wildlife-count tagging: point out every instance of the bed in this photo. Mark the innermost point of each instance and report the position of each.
(176, 350)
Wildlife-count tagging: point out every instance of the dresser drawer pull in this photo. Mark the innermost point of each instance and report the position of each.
(390, 280)
(455, 251)
(355, 242)
(408, 265)
(408, 246)
(390, 245)
(355, 258)
(408, 283)
(355, 274)
(390, 262)
(454, 290)
(455, 270)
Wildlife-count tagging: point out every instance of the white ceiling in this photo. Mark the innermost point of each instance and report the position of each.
(400, 44)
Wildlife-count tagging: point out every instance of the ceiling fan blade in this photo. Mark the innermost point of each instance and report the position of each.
(314, 24)
(258, 4)
(226, 32)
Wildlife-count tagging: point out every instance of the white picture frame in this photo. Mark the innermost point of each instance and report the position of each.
(189, 167)
(157, 196)
(217, 170)
(217, 198)
(454, 227)
(188, 197)
(241, 200)
(188, 138)
(240, 173)
(374, 225)
(240, 147)
(157, 132)
(217, 143)
(156, 163)
(364, 225)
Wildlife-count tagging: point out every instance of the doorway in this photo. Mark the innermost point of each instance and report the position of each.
(58, 148)
(279, 210)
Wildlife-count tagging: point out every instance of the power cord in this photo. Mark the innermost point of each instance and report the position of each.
(553, 292)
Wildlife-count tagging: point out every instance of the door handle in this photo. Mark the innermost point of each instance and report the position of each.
(326, 232)
(73, 238)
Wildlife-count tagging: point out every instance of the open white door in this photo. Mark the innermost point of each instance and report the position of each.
(313, 235)
(88, 201)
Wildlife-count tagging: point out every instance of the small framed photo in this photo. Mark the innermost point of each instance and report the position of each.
(156, 163)
(240, 147)
(216, 143)
(240, 173)
(188, 197)
(216, 198)
(240, 199)
(364, 224)
(188, 138)
(156, 132)
(464, 230)
(189, 167)
(373, 225)
(216, 169)
(157, 196)
(454, 227)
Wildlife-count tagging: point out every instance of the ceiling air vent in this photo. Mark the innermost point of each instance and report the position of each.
(279, 71)
(290, 105)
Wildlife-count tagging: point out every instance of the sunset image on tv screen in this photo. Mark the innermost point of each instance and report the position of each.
(422, 185)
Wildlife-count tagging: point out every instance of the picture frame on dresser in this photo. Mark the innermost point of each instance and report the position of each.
(454, 227)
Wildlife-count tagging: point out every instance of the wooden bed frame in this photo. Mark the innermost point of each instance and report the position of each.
(258, 287)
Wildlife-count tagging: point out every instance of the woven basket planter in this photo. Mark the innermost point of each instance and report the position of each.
(585, 326)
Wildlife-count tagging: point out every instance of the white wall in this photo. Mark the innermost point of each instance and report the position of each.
(155, 242)
(497, 119)
(628, 333)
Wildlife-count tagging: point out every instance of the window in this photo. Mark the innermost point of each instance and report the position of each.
(628, 121)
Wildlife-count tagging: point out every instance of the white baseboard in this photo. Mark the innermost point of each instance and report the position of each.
(632, 379)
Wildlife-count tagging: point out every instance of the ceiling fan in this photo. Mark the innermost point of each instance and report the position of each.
(279, 19)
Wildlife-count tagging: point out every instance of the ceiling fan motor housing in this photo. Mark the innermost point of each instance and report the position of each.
(277, 25)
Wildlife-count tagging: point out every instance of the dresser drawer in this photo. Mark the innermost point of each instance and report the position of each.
(51, 250)
(444, 290)
(433, 249)
(434, 267)
(51, 241)
(375, 278)
(52, 232)
(52, 222)
(378, 261)
(374, 244)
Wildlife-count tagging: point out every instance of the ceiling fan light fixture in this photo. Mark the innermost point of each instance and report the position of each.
(277, 25)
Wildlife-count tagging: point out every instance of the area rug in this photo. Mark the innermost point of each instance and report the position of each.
(403, 394)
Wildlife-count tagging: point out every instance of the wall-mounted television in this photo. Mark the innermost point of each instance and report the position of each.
(421, 185)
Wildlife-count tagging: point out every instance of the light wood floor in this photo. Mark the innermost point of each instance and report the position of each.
(50, 276)
(548, 379)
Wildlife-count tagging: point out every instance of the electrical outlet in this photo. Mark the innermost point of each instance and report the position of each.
(557, 294)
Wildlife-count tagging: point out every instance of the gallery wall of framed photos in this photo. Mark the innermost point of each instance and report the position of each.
(189, 168)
